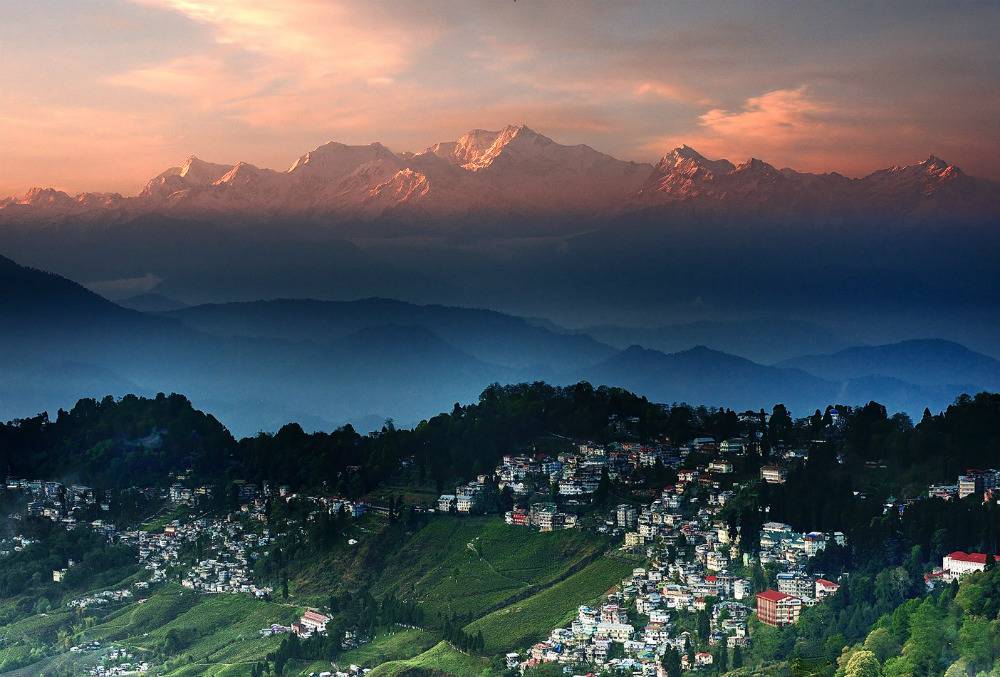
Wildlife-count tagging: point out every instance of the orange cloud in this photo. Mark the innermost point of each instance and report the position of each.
(670, 92)
(793, 127)
(781, 116)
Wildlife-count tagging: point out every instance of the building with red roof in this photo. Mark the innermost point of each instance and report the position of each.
(825, 588)
(957, 564)
(777, 609)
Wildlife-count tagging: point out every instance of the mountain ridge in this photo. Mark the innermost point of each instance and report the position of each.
(518, 172)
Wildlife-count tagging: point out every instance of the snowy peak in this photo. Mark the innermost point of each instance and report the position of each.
(200, 173)
(335, 159)
(470, 147)
(517, 173)
(45, 197)
(931, 188)
(758, 167)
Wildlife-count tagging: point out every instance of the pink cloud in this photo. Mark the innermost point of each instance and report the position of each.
(794, 127)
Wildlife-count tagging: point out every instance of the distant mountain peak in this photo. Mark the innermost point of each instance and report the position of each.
(200, 171)
(518, 172)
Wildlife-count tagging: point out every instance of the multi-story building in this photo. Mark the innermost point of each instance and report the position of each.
(777, 609)
(795, 584)
(773, 474)
(626, 516)
(970, 484)
(958, 563)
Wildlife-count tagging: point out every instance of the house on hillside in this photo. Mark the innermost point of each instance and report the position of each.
(315, 622)
(825, 588)
(958, 563)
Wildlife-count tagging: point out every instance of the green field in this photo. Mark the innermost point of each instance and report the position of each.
(389, 646)
(529, 620)
(218, 632)
(470, 565)
(442, 657)
(511, 583)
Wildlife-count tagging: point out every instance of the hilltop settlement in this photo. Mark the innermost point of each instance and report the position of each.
(681, 540)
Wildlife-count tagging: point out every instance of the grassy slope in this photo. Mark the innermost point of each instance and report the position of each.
(389, 646)
(442, 657)
(467, 566)
(531, 619)
(452, 565)
(225, 628)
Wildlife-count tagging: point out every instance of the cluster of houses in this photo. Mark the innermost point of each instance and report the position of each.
(15, 543)
(544, 516)
(575, 475)
(691, 552)
(781, 544)
(227, 545)
(974, 482)
(695, 561)
(230, 544)
(120, 661)
(53, 500)
(106, 597)
(115, 660)
(790, 551)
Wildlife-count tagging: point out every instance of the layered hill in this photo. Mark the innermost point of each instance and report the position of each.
(258, 365)
(928, 362)
(518, 173)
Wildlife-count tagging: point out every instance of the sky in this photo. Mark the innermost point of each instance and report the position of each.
(104, 94)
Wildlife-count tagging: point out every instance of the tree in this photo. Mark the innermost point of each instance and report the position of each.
(704, 625)
(927, 638)
(863, 664)
(780, 425)
(737, 657)
(881, 642)
(672, 663)
(976, 642)
(603, 486)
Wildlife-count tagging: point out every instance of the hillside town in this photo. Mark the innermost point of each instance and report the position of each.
(696, 594)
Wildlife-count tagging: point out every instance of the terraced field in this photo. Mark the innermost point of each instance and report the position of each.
(470, 566)
(442, 657)
(218, 634)
(512, 584)
(389, 646)
(521, 623)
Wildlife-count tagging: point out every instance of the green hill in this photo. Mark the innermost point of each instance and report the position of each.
(441, 658)
(470, 566)
(529, 620)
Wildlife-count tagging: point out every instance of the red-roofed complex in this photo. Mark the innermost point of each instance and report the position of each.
(314, 622)
(777, 609)
(958, 563)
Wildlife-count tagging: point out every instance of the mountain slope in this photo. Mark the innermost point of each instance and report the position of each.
(262, 364)
(66, 343)
(488, 335)
(928, 362)
(766, 340)
(710, 377)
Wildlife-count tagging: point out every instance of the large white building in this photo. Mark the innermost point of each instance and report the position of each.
(957, 564)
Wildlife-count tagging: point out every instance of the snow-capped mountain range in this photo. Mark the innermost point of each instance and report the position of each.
(517, 172)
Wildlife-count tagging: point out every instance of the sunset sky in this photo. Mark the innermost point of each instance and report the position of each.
(103, 94)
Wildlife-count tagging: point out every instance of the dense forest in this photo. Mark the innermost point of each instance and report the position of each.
(138, 440)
